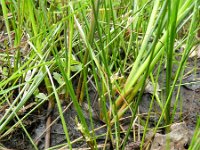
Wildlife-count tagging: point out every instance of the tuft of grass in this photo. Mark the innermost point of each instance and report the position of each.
(116, 47)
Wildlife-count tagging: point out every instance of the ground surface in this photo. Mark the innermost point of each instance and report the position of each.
(189, 99)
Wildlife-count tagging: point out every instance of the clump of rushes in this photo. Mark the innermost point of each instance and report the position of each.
(144, 61)
(118, 45)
